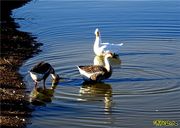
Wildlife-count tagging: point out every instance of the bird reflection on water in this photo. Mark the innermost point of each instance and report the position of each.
(41, 96)
(97, 92)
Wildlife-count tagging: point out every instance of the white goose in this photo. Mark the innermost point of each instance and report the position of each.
(100, 49)
(96, 73)
(41, 71)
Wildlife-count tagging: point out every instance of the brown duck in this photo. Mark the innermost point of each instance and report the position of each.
(41, 71)
(97, 73)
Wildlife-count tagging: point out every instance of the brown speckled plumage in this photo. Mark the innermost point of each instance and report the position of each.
(93, 68)
(96, 73)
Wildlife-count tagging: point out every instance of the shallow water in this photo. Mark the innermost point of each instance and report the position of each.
(143, 88)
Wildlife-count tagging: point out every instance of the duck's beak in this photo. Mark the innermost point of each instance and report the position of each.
(97, 34)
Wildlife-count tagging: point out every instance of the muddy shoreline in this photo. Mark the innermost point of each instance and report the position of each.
(16, 47)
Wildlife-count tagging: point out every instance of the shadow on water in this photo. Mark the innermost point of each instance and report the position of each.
(97, 92)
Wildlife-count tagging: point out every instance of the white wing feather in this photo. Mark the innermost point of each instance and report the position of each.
(114, 48)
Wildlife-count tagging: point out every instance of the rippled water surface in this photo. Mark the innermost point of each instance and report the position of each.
(143, 88)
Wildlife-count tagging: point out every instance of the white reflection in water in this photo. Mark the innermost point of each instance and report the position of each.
(97, 92)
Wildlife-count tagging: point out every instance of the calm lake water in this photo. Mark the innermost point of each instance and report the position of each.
(144, 88)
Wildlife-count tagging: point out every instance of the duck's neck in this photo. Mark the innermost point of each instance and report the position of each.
(107, 64)
(97, 41)
(54, 76)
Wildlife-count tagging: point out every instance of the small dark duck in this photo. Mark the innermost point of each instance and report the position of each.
(41, 71)
(96, 73)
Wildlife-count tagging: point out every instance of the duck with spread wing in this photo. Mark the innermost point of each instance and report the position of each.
(100, 48)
